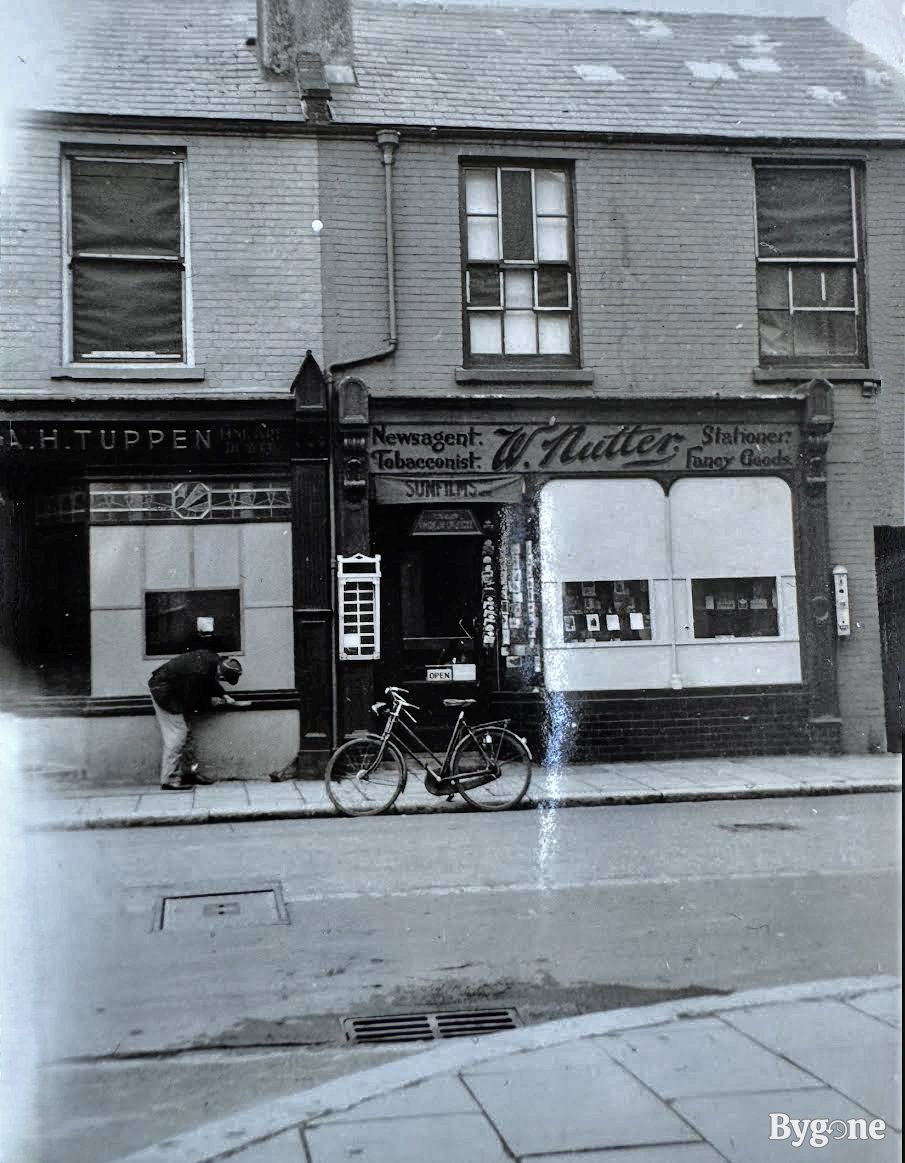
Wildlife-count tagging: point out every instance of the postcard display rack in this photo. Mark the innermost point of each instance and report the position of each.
(520, 646)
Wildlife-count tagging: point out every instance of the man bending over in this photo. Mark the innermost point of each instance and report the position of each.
(182, 687)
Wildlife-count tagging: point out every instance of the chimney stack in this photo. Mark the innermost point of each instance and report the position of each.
(288, 28)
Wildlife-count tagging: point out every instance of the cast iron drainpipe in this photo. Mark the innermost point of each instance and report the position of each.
(388, 143)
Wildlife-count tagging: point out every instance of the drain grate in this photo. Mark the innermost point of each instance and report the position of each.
(423, 1027)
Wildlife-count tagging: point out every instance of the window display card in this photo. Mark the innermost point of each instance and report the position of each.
(587, 589)
(725, 602)
(594, 622)
(708, 602)
(592, 603)
(612, 622)
(568, 623)
(636, 620)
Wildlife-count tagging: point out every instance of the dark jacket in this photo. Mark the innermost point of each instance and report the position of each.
(187, 683)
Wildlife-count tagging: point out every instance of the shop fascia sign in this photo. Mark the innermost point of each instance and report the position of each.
(143, 439)
(566, 446)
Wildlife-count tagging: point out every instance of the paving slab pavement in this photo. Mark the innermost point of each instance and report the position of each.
(691, 1081)
(75, 803)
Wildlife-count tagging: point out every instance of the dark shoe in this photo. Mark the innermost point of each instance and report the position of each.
(176, 785)
(197, 777)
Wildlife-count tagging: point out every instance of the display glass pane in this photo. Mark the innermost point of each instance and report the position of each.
(606, 611)
(520, 333)
(550, 191)
(483, 243)
(480, 192)
(485, 333)
(735, 607)
(552, 240)
(554, 334)
(519, 288)
(180, 620)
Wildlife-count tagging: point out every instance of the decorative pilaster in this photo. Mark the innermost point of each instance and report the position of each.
(817, 606)
(356, 679)
(312, 576)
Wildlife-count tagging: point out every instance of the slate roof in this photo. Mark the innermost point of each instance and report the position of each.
(506, 68)
(599, 71)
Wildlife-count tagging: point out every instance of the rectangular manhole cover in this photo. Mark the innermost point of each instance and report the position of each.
(422, 1027)
(263, 906)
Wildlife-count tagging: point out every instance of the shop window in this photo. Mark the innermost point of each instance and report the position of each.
(179, 620)
(126, 262)
(606, 611)
(735, 607)
(518, 276)
(704, 593)
(809, 276)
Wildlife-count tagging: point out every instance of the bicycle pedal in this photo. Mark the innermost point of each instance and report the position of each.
(449, 799)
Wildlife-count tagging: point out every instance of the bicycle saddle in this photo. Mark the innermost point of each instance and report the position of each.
(459, 702)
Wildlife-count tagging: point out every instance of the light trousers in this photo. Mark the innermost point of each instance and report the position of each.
(177, 743)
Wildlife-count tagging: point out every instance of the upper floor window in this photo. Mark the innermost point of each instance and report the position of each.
(519, 285)
(809, 265)
(126, 260)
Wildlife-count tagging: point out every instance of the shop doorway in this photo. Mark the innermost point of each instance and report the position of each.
(431, 605)
(889, 542)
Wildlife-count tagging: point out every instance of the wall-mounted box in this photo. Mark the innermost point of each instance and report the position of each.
(358, 581)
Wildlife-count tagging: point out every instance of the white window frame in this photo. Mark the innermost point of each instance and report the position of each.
(115, 359)
(532, 264)
(854, 264)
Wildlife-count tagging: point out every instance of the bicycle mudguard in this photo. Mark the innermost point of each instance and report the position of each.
(504, 724)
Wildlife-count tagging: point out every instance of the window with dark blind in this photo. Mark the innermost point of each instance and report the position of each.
(126, 259)
(518, 275)
(809, 266)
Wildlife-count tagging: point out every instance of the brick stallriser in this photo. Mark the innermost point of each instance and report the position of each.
(677, 725)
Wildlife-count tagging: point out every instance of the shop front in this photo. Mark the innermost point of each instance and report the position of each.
(129, 538)
(625, 581)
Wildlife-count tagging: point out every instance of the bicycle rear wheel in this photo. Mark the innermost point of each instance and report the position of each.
(364, 776)
(496, 751)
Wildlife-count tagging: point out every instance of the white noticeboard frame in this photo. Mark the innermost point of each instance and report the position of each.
(358, 607)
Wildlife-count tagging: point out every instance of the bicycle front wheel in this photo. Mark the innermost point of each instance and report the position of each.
(364, 776)
(496, 752)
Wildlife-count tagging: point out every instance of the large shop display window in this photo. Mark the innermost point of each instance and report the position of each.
(178, 565)
(644, 590)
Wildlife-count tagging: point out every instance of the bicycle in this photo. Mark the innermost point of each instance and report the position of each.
(488, 765)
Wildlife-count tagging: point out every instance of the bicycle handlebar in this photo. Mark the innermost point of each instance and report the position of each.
(399, 703)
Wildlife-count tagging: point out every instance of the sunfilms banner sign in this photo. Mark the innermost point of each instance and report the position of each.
(453, 450)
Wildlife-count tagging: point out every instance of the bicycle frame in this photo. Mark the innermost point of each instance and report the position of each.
(460, 729)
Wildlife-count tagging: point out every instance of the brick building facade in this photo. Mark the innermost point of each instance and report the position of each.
(566, 398)
(669, 283)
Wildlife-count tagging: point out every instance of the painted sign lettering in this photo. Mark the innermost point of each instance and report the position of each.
(440, 456)
(142, 439)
